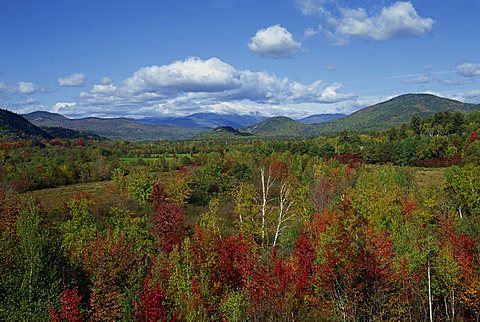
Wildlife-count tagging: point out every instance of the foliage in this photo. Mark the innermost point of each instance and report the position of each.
(140, 185)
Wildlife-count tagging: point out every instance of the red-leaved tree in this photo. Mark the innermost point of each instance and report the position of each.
(151, 305)
(70, 307)
(168, 221)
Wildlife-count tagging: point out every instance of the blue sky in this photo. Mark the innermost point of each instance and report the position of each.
(276, 57)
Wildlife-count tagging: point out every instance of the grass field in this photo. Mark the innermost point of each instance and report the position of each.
(55, 199)
(427, 178)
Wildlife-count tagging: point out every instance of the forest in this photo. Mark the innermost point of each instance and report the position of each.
(351, 226)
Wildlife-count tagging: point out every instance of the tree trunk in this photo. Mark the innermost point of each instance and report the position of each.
(430, 308)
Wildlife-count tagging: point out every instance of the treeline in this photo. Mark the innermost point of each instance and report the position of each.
(31, 165)
(446, 139)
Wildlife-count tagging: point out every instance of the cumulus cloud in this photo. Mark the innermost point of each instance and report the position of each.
(28, 88)
(274, 42)
(468, 70)
(74, 80)
(397, 21)
(400, 20)
(8, 91)
(193, 85)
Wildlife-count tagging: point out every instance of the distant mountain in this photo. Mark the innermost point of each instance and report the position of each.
(395, 112)
(222, 133)
(321, 118)
(114, 128)
(40, 116)
(14, 126)
(381, 116)
(281, 126)
(205, 120)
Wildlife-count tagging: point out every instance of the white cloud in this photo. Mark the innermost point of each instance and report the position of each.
(27, 88)
(63, 107)
(468, 69)
(455, 82)
(312, 7)
(190, 75)
(421, 79)
(468, 97)
(8, 91)
(274, 42)
(74, 80)
(310, 32)
(193, 85)
(106, 81)
(399, 20)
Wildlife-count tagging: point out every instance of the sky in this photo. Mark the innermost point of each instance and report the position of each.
(272, 57)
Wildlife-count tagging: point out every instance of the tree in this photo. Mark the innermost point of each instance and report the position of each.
(168, 221)
(463, 188)
(39, 274)
(247, 210)
(70, 307)
(151, 305)
(140, 186)
(109, 262)
(79, 230)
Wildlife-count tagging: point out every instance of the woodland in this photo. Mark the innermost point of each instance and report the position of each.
(381, 226)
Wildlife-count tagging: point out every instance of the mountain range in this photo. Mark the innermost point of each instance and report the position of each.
(381, 116)
(205, 120)
(114, 128)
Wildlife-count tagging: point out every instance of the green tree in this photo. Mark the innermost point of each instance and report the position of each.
(79, 230)
(39, 278)
(247, 209)
(140, 186)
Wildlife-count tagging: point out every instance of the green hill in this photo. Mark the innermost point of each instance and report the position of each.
(395, 112)
(114, 128)
(223, 133)
(281, 126)
(14, 126)
(63, 133)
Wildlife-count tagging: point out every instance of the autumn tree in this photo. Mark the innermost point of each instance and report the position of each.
(168, 221)
(70, 307)
(109, 261)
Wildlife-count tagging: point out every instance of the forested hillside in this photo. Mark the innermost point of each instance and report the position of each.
(396, 112)
(114, 128)
(14, 126)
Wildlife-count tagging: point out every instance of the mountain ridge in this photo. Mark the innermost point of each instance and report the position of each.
(395, 112)
(15, 126)
(321, 118)
(207, 120)
(381, 116)
(119, 128)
